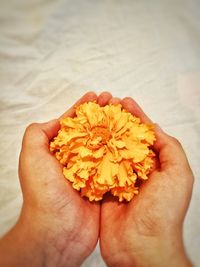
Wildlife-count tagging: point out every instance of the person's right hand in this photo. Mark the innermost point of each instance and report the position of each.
(148, 230)
(57, 227)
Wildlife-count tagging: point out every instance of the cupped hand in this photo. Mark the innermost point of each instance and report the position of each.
(56, 227)
(148, 230)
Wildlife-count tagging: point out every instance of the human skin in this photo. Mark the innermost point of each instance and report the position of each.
(147, 231)
(59, 228)
(56, 227)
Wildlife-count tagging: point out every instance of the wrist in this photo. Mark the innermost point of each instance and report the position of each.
(54, 238)
(21, 247)
(35, 242)
(164, 251)
(159, 251)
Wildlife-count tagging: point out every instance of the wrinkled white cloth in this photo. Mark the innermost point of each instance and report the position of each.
(52, 52)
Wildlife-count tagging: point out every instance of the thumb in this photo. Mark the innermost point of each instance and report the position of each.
(38, 135)
(169, 149)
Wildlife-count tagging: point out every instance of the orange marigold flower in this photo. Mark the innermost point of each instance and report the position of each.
(104, 149)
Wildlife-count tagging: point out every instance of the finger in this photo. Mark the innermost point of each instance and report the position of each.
(50, 128)
(169, 150)
(114, 100)
(90, 96)
(130, 105)
(104, 98)
(38, 135)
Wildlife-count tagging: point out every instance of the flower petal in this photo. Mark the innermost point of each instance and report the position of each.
(104, 149)
(107, 171)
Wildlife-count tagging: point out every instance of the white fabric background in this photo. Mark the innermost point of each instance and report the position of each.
(52, 52)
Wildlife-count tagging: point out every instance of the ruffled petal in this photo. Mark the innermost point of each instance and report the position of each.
(104, 149)
(107, 170)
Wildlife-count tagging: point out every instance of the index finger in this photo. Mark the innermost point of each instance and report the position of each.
(130, 105)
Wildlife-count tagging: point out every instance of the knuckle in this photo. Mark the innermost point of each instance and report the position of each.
(192, 179)
(191, 174)
(31, 127)
(30, 130)
(175, 141)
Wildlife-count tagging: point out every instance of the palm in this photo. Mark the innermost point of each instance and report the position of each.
(158, 209)
(63, 200)
(61, 209)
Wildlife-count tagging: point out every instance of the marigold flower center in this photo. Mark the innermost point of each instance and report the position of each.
(104, 133)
